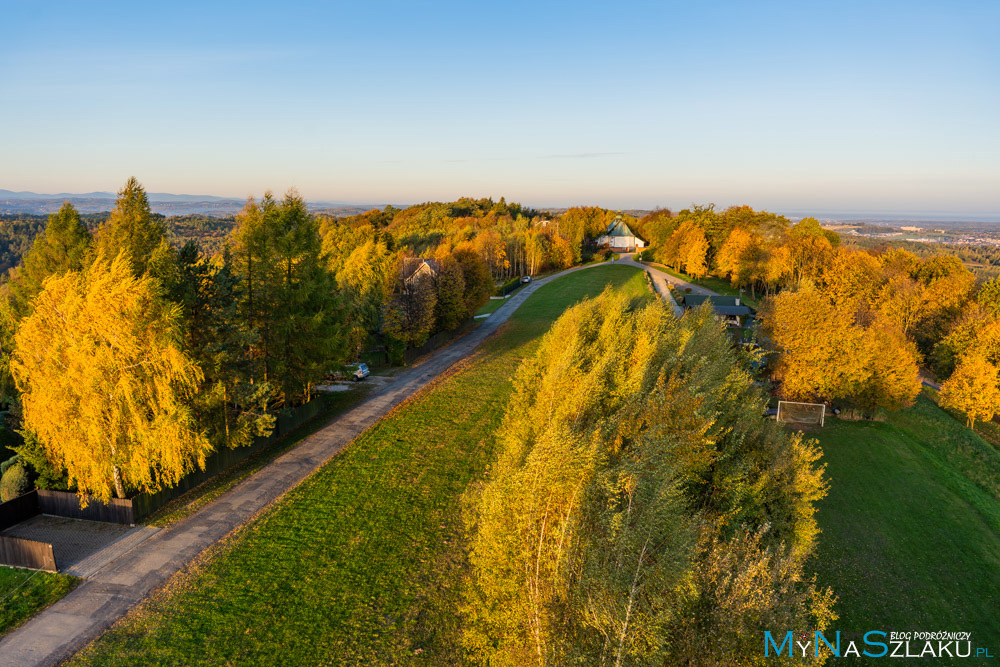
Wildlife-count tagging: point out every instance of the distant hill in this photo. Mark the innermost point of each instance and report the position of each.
(95, 202)
(160, 202)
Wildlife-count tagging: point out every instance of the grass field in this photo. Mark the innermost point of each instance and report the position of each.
(911, 526)
(360, 563)
(23, 593)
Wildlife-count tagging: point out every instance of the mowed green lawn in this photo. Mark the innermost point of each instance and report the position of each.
(911, 526)
(25, 592)
(362, 562)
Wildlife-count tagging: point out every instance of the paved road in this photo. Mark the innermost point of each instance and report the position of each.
(67, 626)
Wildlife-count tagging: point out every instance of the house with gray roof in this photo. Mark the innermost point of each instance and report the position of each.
(729, 309)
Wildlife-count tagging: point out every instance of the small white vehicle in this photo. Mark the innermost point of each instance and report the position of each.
(359, 371)
(526, 279)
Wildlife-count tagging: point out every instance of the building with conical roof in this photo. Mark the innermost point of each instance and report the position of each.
(619, 237)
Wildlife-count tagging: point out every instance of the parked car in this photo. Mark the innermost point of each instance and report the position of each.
(526, 279)
(359, 371)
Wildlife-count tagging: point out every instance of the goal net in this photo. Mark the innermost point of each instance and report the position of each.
(790, 412)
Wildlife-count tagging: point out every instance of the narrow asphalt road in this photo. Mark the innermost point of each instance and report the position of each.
(71, 623)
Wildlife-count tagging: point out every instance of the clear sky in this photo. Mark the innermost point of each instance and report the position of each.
(871, 106)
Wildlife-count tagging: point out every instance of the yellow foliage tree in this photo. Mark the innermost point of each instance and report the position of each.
(735, 258)
(972, 389)
(491, 247)
(810, 253)
(820, 348)
(825, 354)
(537, 247)
(104, 384)
(562, 253)
(778, 266)
(694, 252)
(901, 300)
(853, 278)
(891, 363)
(943, 299)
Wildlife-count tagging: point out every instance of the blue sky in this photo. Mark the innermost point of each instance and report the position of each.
(788, 106)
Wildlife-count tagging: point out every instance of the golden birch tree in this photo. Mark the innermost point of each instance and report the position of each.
(972, 389)
(104, 383)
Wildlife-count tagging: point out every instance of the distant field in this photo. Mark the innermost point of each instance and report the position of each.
(361, 563)
(25, 592)
(911, 526)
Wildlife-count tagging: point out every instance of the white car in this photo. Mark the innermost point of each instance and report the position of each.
(359, 371)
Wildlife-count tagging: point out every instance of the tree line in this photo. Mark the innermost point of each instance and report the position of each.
(848, 323)
(18, 232)
(472, 245)
(127, 354)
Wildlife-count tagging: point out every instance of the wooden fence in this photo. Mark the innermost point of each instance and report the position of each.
(18, 552)
(61, 503)
(27, 553)
(18, 509)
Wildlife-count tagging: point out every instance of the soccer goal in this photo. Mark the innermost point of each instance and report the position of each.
(790, 412)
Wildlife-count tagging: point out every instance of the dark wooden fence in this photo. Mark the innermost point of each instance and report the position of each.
(27, 553)
(377, 358)
(18, 552)
(511, 286)
(18, 509)
(61, 503)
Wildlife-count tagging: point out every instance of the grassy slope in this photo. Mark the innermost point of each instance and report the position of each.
(362, 561)
(23, 593)
(911, 526)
